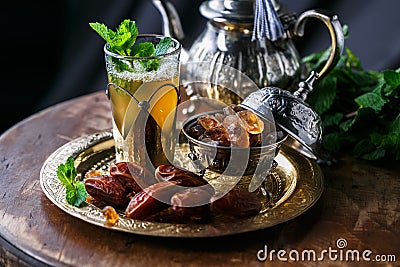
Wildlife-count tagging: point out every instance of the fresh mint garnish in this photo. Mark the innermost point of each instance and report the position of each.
(145, 49)
(163, 46)
(122, 39)
(122, 42)
(359, 108)
(75, 190)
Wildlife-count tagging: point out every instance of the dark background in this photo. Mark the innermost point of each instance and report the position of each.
(49, 53)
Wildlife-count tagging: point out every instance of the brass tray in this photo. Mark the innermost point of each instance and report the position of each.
(297, 184)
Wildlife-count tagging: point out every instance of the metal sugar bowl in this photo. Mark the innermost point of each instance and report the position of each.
(301, 125)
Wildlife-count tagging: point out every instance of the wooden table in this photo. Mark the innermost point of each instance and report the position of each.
(361, 204)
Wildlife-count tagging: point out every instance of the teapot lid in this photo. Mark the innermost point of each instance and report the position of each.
(242, 10)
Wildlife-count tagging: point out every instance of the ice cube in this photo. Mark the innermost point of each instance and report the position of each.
(228, 110)
(237, 133)
(220, 117)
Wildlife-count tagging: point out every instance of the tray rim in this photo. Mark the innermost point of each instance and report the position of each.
(90, 214)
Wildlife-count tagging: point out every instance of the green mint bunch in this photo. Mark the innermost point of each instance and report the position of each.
(122, 42)
(360, 109)
(75, 190)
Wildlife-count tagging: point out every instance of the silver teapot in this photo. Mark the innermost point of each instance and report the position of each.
(227, 39)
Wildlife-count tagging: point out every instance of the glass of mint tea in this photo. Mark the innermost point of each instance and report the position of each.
(143, 89)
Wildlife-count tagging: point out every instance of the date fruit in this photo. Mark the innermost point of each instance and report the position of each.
(237, 203)
(183, 177)
(187, 208)
(108, 190)
(145, 203)
(132, 176)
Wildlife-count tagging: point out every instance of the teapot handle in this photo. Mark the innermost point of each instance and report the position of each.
(335, 30)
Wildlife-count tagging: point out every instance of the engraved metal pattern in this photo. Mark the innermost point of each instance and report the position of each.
(298, 181)
(265, 62)
(292, 114)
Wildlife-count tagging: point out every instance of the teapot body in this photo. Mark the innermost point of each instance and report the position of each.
(227, 40)
(267, 63)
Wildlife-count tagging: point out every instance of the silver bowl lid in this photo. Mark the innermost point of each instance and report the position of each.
(292, 114)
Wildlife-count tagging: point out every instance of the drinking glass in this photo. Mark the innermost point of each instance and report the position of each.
(143, 103)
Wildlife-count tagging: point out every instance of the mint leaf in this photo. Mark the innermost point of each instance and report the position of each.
(352, 60)
(374, 155)
(121, 66)
(75, 190)
(370, 100)
(163, 46)
(395, 126)
(376, 138)
(345, 29)
(66, 173)
(81, 194)
(71, 196)
(101, 29)
(71, 168)
(128, 32)
(122, 39)
(316, 61)
(392, 78)
(332, 120)
(151, 64)
(119, 42)
(367, 150)
(332, 142)
(345, 126)
(363, 79)
(362, 147)
(392, 139)
(145, 49)
(322, 97)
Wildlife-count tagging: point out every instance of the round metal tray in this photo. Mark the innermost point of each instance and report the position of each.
(296, 184)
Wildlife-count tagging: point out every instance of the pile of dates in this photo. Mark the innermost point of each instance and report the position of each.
(136, 191)
(233, 126)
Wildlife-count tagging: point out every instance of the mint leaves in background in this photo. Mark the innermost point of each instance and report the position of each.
(360, 109)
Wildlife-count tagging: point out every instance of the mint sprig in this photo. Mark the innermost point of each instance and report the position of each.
(75, 190)
(360, 109)
(122, 39)
(122, 42)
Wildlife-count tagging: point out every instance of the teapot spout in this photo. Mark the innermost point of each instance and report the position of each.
(172, 26)
(171, 22)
